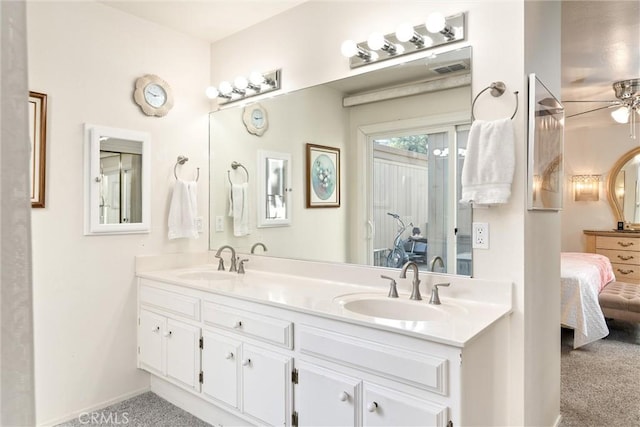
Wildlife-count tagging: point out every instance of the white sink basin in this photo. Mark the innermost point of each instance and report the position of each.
(206, 275)
(402, 308)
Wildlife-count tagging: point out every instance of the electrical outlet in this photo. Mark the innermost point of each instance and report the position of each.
(219, 223)
(480, 235)
(199, 224)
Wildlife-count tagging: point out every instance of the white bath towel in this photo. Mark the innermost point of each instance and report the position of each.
(487, 172)
(183, 210)
(239, 208)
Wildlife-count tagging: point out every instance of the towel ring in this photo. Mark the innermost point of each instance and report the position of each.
(235, 165)
(497, 89)
(181, 161)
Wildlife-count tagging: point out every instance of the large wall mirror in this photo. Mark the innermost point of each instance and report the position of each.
(401, 132)
(623, 189)
(117, 181)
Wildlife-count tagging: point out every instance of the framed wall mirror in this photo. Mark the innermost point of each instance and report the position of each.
(623, 190)
(274, 189)
(117, 181)
(401, 132)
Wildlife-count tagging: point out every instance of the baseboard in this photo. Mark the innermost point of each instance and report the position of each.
(195, 405)
(558, 420)
(96, 407)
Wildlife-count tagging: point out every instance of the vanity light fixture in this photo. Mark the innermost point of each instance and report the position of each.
(436, 31)
(586, 188)
(243, 88)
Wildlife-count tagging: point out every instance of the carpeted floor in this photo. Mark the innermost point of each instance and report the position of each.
(145, 410)
(601, 381)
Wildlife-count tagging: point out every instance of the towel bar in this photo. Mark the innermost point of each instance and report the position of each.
(181, 161)
(497, 89)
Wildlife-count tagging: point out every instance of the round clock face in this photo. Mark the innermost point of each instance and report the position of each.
(155, 95)
(257, 118)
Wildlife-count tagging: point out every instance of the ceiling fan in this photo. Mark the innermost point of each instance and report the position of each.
(628, 103)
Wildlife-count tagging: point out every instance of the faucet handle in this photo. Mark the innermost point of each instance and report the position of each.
(393, 290)
(241, 265)
(435, 295)
(220, 263)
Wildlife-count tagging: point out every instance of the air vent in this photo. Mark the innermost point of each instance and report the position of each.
(450, 68)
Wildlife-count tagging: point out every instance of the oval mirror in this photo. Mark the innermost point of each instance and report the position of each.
(623, 191)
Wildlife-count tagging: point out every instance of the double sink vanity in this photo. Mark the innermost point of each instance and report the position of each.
(306, 343)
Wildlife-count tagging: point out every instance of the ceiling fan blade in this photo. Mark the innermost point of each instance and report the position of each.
(588, 111)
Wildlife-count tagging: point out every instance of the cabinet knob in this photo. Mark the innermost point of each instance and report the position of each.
(229, 356)
(156, 329)
(246, 362)
(168, 334)
(238, 324)
(372, 406)
(343, 396)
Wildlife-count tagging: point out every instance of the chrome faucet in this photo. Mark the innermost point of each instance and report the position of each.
(435, 297)
(415, 289)
(233, 258)
(433, 262)
(255, 245)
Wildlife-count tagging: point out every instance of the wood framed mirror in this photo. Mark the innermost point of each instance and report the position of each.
(623, 190)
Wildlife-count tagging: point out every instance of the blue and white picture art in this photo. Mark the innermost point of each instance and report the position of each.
(323, 176)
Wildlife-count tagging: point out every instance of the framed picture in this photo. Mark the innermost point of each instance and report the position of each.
(38, 137)
(546, 148)
(323, 176)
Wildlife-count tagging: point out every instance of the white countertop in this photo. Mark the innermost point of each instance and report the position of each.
(466, 317)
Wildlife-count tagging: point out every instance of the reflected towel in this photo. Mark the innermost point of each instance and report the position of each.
(183, 210)
(489, 164)
(239, 208)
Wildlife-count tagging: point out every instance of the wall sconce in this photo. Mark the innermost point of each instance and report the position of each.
(243, 88)
(436, 31)
(586, 188)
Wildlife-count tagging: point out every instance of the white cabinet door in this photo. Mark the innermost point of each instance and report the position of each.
(325, 398)
(266, 385)
(385, 407)
(150, 343)
(183, 353)
(220, 362)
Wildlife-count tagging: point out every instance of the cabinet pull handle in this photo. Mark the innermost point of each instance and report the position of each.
(229, 356)
(372, 406)
(624, 271)
(625, 257)
(625, 244)
(168, 334)
(343, 396)
(156, 329)
(238, 324)
(246, 362)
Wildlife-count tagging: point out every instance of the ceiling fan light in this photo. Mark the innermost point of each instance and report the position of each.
(620, 115)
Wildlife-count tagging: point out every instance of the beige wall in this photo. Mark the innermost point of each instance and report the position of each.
(86, 57)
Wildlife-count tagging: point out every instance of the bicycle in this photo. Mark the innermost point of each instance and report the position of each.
(398, 255)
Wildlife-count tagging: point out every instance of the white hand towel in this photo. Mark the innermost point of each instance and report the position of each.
(487, 172)
(183, 210)
(239, 208)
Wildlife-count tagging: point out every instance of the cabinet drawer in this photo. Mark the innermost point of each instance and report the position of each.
(269, 329)
(626, 272)
(170, 301)
(620, 243)
(621, 257)
(410, 367)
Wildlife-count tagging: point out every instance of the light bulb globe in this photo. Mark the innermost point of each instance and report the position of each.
(404, 32)
(225, 88)
(212, 92)
(375, 41)
(241, 82)
(427, 41)
(620, 115)
(256, 78)
(435, 22)
(349, 48)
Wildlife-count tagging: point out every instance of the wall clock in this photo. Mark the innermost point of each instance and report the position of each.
(153, 95)
(255, 119)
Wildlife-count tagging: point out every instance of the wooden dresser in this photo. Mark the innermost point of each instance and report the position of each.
(622, 249)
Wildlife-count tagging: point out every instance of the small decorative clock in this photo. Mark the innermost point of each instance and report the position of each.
(255, 119)
(153, 95)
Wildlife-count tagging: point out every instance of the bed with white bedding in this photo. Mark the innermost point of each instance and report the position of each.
(583, 275)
